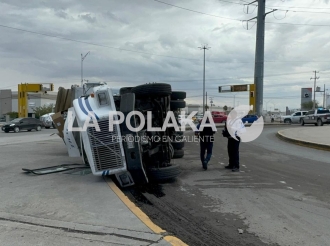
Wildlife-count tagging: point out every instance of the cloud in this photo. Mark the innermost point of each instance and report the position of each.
(111, 29)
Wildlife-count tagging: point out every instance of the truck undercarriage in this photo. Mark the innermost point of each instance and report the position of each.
(130, 150)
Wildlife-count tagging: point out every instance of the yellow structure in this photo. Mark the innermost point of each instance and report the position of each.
(252, 98)
(239, 88)
(22, 96)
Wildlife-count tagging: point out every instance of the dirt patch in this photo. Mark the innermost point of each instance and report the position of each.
(187, 215)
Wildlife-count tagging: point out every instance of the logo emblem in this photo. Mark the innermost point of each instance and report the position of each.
(237, 127)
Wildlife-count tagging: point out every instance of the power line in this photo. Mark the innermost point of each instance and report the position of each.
(198, 12)
(105, 46)
(279, 8)
(100, 45)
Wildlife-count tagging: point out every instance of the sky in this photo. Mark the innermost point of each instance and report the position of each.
(142, 41)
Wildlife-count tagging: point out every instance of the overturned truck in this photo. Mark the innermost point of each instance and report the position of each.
(125, 134)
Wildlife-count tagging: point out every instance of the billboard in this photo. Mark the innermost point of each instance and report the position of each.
(306, 96)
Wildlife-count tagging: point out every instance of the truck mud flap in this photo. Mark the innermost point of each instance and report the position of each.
(131, 147)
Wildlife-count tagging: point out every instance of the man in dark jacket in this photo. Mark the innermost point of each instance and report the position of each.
(206, 140)
(233, 134)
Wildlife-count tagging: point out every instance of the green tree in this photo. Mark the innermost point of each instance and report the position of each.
(13, 115)
(309, 105)
(225, 108)
(45, 109)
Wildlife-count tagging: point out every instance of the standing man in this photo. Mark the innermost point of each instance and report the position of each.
(234, 127)
(206, 140)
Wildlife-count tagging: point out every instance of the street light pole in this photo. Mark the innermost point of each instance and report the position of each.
(267, 105)
(315, 78)
(82, 59)
(204, 48)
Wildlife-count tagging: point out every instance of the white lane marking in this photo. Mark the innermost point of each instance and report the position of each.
(283, 182)
(289, 188)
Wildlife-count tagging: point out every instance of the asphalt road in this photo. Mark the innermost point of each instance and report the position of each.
(281, 196)
(25, 136)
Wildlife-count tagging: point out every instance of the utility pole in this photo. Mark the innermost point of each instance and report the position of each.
(315, 78)
(204, 48)
(259, 55)
(206, 102)
(211, 102)
(324, 106)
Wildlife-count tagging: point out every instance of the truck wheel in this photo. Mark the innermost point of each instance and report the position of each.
(152, 90)
(178, 153)
(178, 95)
(177, 145)
(164, 173)
(288, 121)
(319, 122)
(302, 122)
(177, 104)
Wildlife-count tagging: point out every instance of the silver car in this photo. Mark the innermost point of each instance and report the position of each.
(47, 120)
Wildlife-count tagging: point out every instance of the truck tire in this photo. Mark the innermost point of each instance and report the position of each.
(163, 173)
(288, 121)
(302, 122)
(178, 95)
(176, 104)
(178, 153)
(177, 145)
(152, 90)
(319, 122)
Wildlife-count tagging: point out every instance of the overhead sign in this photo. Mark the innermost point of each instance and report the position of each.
(233, 88)
(239, 88)
(226, 88)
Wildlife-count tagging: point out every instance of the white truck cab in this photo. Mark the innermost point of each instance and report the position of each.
(113, 148)
(294, 118)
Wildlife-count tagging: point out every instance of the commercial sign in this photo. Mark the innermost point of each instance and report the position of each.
(239, 88)
(233, 88)
(306, 96)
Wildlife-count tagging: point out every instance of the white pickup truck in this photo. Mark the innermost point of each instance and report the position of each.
(294, 118)
(317, 117)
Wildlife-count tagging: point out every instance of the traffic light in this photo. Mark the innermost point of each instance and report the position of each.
(251, 93)
(51, 87)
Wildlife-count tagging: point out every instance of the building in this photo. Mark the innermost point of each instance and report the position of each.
(5, 102)
(9, 101)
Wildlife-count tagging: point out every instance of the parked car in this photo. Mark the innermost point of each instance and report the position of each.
(250, 118)
(219, 118)
(20, 124)
(47, 120)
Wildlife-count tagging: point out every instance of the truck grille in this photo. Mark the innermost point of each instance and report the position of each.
(105, 146)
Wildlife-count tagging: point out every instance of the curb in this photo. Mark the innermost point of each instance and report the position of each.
(313, 145)
(142, 216)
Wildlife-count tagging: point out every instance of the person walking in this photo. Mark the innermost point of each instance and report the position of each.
(272, 117)
(206, 140)
(233, 130)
